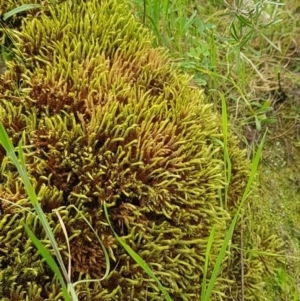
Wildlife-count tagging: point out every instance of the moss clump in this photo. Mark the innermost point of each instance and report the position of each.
(104, 118)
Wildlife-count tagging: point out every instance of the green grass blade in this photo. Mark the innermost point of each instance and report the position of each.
(137, 258)
(246, 39)
(270, 42)
(189, 21)
(155, 28)
(296, 294)
(166, 8)
(227, 161)
(208, 247)
(228, 236)
(49, 259)
(244, 21)
(20, 9)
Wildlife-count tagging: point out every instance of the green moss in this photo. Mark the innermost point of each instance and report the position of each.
(279, 190)
(105, 117)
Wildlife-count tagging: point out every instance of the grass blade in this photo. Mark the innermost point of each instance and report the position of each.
(228, 236)
(49, 259)
(137, 258)
(208, 247)
(227, 161)
(270, 42)
(20, 9)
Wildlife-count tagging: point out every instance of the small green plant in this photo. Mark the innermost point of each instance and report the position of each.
(249, 18)
(259, 111)
(179, 28)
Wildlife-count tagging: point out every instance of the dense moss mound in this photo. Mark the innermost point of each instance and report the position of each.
(104, 117)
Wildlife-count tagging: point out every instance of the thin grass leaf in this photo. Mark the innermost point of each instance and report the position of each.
(51, 237)
(233, 32)
(246, 39)
(228, 236)
(136, 257)
(166, 8)
(272, 23)
(20, 9)
(68, 246)
(155, 28)
(207, 252)
(71, 286)
(67, 240)
(49, 259)
(189, 21)
(275, 3)
(7, 144)
(270, 42)
(242, 94)
(17, 205)
(296, 294)
(227, 161)
(270, 254)
(244, 20)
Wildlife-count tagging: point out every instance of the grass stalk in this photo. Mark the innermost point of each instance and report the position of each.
(229, 233)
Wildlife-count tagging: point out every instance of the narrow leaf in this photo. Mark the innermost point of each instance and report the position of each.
(20, 9)
(137, 258)
(229, 233)
(49, 259)
(208, 248)
(270, 42)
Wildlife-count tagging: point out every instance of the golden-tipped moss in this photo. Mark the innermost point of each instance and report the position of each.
(104, 117)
